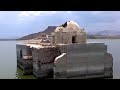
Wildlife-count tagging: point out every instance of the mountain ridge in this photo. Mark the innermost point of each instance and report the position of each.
(47, 31)
(100, 34)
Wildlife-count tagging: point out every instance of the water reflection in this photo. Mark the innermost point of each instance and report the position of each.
(20, 75)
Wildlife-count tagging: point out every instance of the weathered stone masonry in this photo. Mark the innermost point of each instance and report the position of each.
(69, 34)
(24, 58)
(43, 59)
(84, 61)
(68, 56)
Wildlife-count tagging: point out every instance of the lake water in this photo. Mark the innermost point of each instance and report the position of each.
(8, 62)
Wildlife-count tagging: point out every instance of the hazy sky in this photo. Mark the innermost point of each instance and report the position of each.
(20, 23)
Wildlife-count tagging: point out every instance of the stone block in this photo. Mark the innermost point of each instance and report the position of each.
(60, 68)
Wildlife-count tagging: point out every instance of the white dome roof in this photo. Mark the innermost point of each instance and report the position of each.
(69, 26)
(73, 23)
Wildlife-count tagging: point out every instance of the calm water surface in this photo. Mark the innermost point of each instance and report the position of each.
(8, 62)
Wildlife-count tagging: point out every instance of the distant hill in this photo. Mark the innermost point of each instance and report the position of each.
(35, 35)
(108, 33)
(105, 34)
(49, 29)
(7, 39)
(112, 34)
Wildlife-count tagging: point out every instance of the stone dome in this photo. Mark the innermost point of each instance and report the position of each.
(73, 23)
(70, 26)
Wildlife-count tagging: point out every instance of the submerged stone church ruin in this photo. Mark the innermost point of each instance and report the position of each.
(68, 33)
(67, 56)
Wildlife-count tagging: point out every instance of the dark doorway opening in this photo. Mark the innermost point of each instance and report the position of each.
(73, 39)
(21, 54)
(53, 41)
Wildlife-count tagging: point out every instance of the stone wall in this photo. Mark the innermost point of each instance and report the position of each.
(43, 59)
(23, 50)
(81, 37)
(24, 63)
(66, 37)
(62, 48)
(85, 60)
(60, 68)
(108, 64)
(45, 55)
(63, 37)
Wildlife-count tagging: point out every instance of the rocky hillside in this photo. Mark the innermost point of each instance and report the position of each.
(35, 35)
